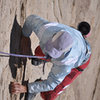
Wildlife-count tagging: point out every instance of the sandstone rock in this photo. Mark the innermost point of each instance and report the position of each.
(12, 16)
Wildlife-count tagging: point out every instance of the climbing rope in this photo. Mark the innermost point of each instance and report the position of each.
(4, 54)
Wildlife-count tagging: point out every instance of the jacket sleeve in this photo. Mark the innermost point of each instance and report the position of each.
(56, 76)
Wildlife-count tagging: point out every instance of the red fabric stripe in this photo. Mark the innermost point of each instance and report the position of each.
(38, 52)
(51, 95)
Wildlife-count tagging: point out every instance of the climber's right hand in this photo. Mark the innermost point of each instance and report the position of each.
(36, 61)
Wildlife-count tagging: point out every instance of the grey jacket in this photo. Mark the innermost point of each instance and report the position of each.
(78, 54)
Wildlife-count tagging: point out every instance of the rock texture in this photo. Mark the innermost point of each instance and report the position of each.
(70, 12)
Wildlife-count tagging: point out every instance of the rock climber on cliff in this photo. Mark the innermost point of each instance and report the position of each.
(65, 47)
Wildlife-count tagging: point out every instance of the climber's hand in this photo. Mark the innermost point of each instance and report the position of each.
(17, 88)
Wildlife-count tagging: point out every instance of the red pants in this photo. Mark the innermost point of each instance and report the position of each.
(51, 95)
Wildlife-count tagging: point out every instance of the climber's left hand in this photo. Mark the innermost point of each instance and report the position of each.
(17, 88)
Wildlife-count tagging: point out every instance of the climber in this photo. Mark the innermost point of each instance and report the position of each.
(65, 47)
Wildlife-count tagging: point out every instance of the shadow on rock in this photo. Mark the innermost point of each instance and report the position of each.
(16, 43)
(15, 38)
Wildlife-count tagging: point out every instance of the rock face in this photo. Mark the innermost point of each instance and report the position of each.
(12, 16)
